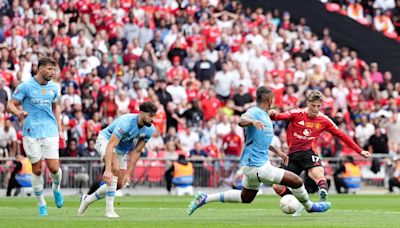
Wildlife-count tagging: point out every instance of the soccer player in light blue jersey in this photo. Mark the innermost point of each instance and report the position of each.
(41, 128)
(114, 144)
(255, 162)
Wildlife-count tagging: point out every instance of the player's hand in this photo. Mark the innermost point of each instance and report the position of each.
(127, 180)
(285, 158)
(107, 176)
(258, 124)
(365, 154)
(22, 115)
(271, 113)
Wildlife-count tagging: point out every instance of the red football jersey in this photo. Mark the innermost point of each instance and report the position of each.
(303, 132)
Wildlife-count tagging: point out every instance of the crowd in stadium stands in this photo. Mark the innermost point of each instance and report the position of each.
(381, 15)
(200, 62)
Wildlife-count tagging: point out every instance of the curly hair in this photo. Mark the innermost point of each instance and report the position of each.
(148, 106)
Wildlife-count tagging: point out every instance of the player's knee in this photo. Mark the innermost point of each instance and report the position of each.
(53, 169)
(247, 199)
(115, 171)
(37, 171)
(297, 182)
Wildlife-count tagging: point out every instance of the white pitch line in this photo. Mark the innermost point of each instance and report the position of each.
(217, 209)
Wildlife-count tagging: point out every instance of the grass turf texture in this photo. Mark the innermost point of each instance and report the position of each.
(170, 211)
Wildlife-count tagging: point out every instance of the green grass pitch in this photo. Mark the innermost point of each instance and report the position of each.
(170, 211)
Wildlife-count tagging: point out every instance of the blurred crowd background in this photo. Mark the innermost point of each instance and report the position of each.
(201, 63)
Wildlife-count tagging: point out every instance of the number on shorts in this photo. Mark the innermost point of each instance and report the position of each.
(315, 158)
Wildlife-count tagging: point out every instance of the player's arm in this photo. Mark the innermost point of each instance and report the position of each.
(12, 107)
(278, 152)
(274, 115)
(247, 120)
(334, 130)
(112, 143)
(16, 99)
(133, 159)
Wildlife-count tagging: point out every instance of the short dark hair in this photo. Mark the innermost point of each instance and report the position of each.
(148, 107)
(46, 61)
(262, 93)
(315, 95)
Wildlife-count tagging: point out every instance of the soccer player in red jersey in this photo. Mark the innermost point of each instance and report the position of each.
(306, 124)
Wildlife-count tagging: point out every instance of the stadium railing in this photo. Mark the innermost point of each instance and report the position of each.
(81, 172)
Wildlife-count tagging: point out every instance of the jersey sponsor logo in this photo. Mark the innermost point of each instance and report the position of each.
(309, 124)
(37, 101)
(303, 137)
(317, 125)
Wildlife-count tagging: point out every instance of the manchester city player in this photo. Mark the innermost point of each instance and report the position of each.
(41, 128)
(114, 144)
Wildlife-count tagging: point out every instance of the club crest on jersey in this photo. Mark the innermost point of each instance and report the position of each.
(43, 92)
(306, 132)
(51, 93)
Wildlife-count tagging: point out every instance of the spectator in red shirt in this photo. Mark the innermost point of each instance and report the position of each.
(232, 146)
(109, 108)
(210, 106)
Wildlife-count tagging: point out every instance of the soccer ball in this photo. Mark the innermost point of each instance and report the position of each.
(289, 204)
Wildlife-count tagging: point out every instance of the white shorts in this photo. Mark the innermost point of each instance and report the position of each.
(267, 174)
(101, 145)
(37, 149)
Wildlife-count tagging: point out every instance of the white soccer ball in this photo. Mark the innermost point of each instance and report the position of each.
(289, 204)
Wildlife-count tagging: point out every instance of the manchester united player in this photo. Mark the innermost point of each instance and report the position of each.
(306, 124)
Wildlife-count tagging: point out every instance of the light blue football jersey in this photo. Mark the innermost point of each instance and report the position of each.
(37, 100)
(255, 152)
(126, 129)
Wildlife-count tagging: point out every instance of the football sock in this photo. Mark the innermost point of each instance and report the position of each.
(110, 193)
(302, 195)
(56, 178)
(97, 195)
(322, 184)
(231, 196)
(37, 185)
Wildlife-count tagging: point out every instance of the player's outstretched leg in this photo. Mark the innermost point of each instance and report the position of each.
(296, 184)
(56, 179)
(201, 198)
(86, 200)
